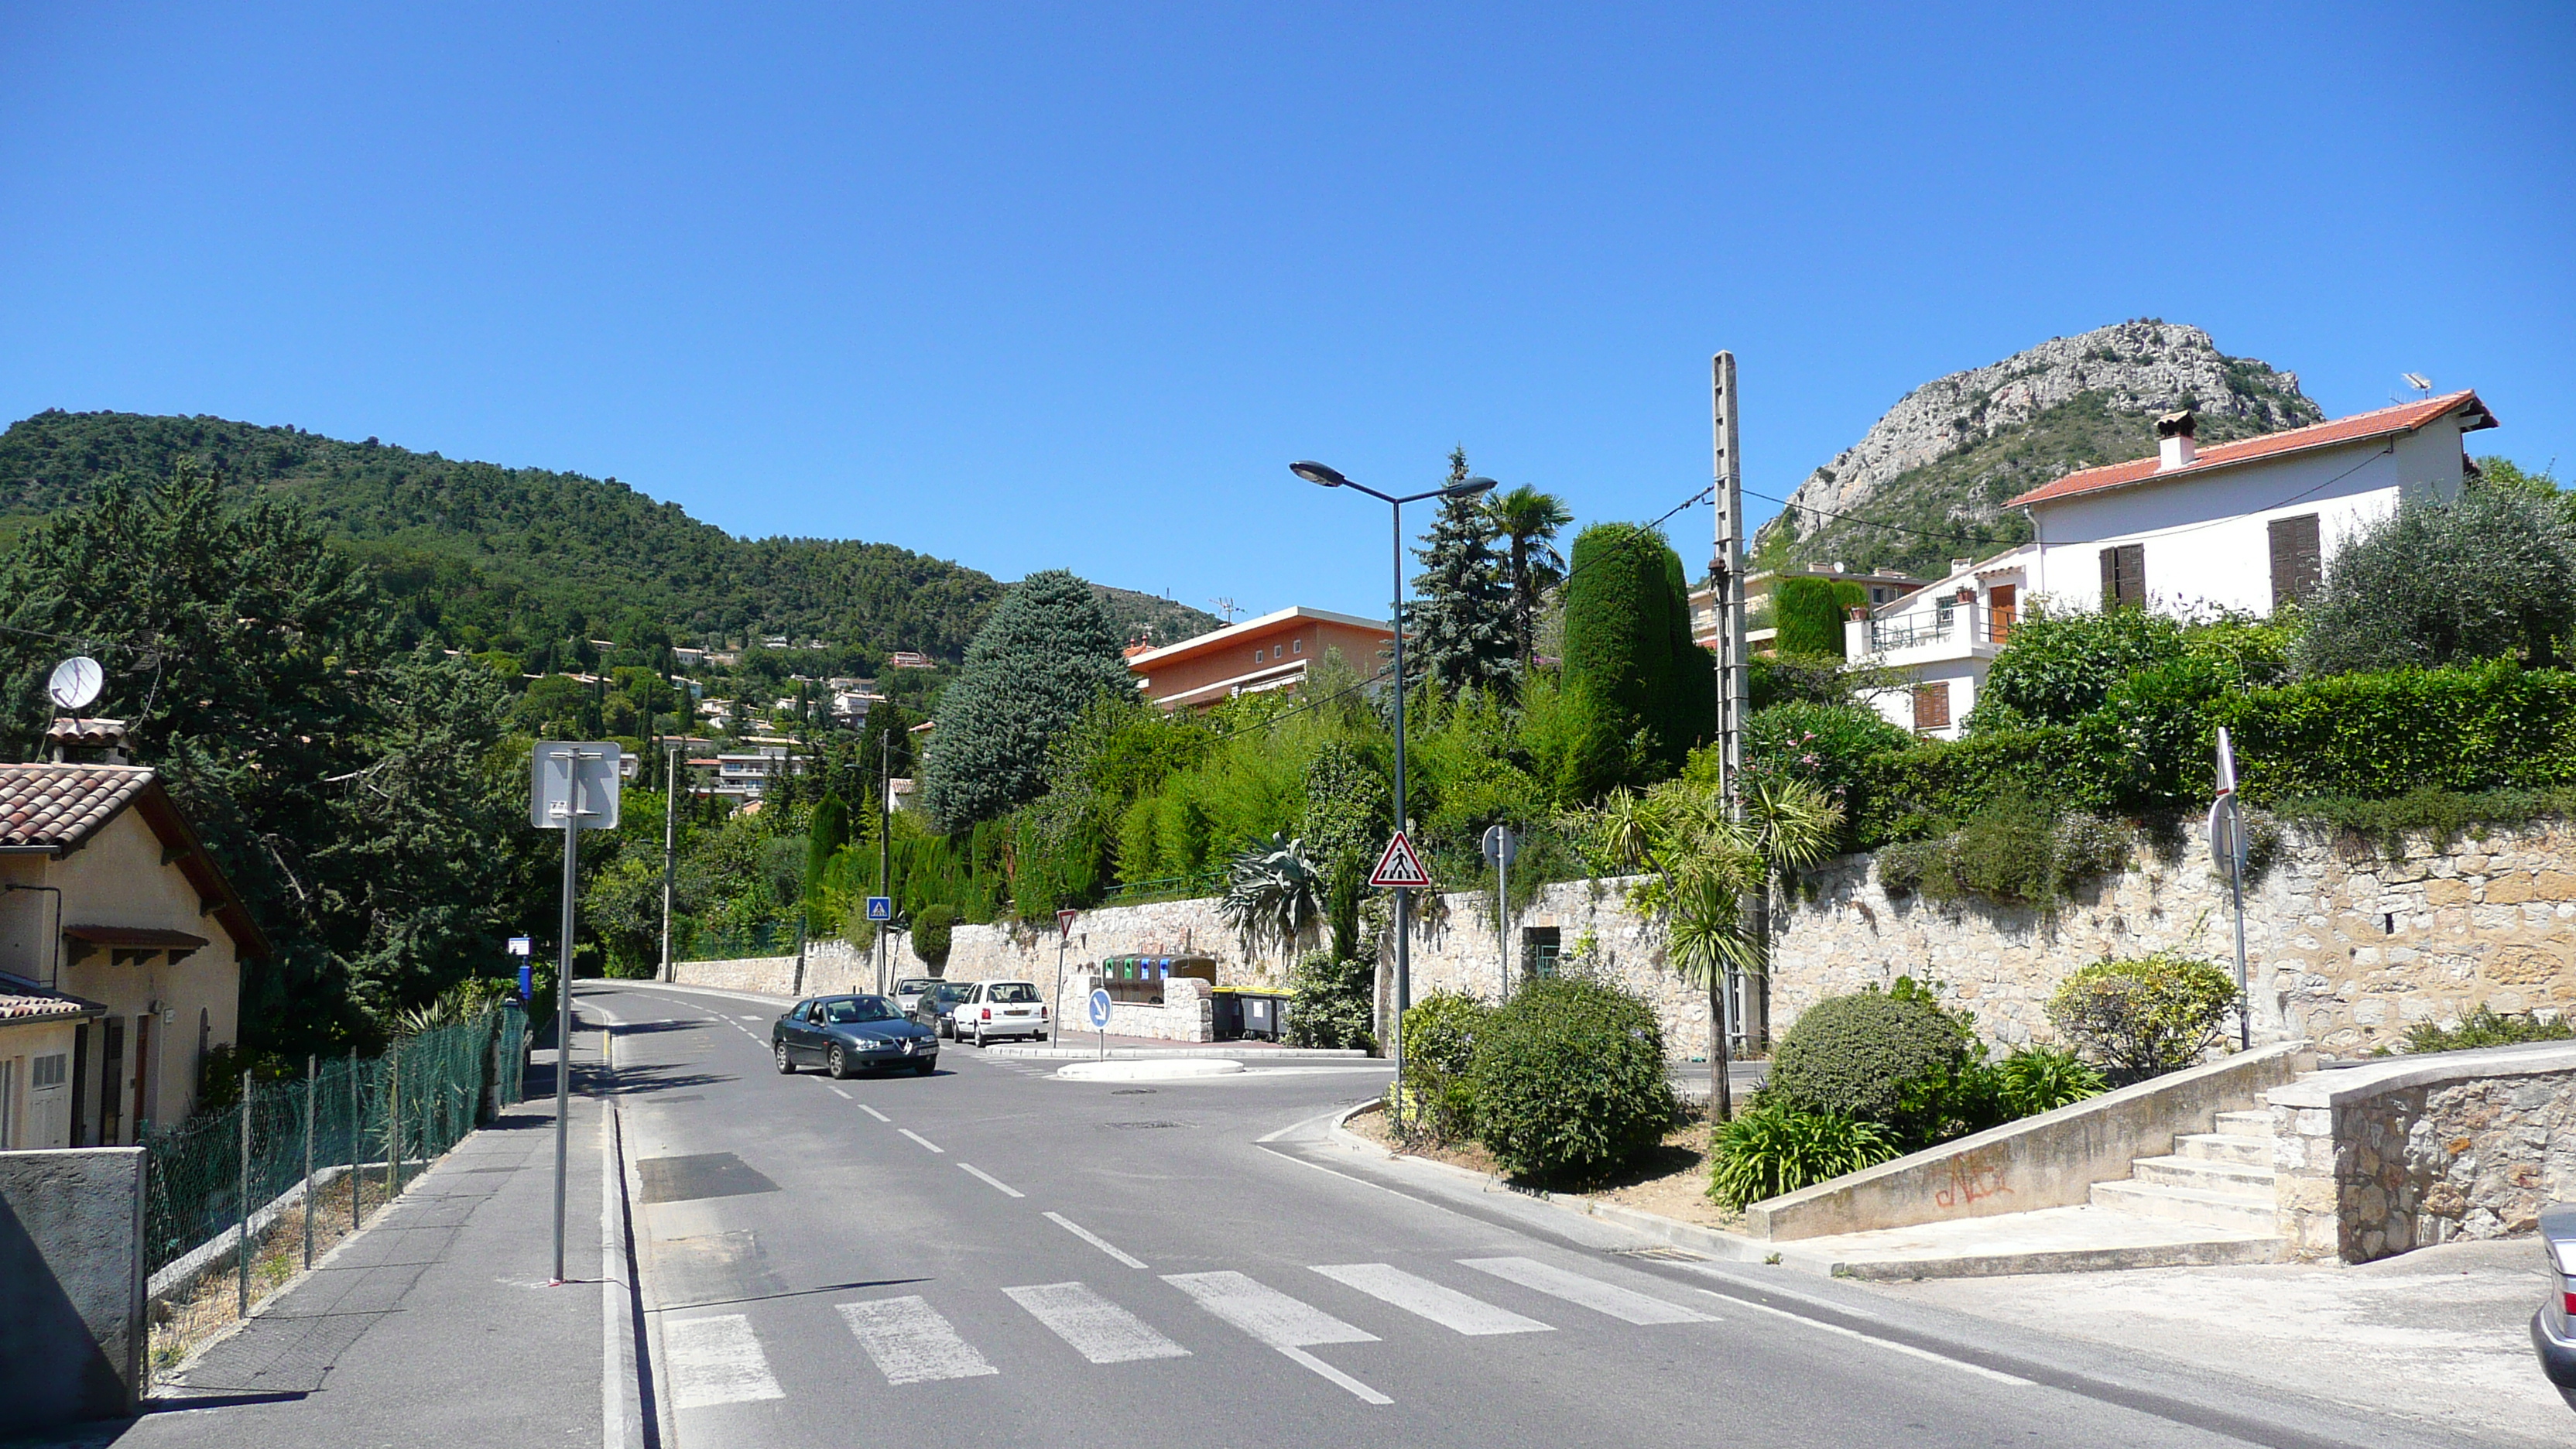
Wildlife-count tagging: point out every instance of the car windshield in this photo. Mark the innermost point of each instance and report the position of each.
(948, 994)
(1017, 993)
(914, 987)
(857, 1008)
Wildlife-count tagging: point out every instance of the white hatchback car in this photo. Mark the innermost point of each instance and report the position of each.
(996, 1009)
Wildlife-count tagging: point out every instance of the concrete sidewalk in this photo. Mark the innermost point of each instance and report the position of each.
(2438, 1337)
(435, 1324)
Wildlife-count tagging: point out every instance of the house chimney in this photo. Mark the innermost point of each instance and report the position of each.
(1961, 565)
(86, 741)
(2174, 446)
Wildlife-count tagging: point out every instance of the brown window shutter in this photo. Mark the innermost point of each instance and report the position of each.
(2297, 561)
(1932, 706)
(2124, 575)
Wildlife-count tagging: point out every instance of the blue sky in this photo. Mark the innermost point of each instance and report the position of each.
(1035, 287)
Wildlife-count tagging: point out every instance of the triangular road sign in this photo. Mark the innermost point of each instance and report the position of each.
(1399, 866)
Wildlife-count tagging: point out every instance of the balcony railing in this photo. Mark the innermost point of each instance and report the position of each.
(1958, 624)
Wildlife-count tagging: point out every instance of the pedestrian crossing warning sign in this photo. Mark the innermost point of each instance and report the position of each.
(1399, 866)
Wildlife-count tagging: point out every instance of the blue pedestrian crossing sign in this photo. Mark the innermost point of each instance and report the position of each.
(880, 908)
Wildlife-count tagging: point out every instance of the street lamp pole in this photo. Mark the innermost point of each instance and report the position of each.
(1322, 476)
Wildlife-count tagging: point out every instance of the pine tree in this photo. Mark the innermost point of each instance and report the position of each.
(1045, 654)
(1459, 631)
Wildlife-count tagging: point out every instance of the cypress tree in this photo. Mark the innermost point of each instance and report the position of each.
(1627, 640)
(1047, 651)
(825, 834)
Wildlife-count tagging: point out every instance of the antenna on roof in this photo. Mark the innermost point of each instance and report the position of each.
(1226, 607)
(2423, 385)
(76, 683)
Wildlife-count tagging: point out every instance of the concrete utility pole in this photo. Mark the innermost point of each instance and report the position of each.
(670, 842)
(1727, 571)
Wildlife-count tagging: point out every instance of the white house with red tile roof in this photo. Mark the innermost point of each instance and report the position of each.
(2247, 526)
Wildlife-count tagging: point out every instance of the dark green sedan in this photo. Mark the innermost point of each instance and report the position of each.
(846, 1034)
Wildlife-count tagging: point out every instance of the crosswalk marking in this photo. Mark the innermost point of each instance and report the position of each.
(1585, 1292)
(1098, 1329)
(1264, 1312)
(716, 1361)
(1425, 1299)
(1094, 1239)
(910, 1343)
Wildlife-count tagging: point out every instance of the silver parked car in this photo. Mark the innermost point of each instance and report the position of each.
(907, 992)
(2553, 1328)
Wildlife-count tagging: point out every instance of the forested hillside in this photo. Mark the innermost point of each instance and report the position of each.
(484, 555)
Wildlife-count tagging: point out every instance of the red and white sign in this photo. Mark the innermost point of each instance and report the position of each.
(1064, 923)
(1399, 866)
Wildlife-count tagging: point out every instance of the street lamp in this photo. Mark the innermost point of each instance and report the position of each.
(1323, 476)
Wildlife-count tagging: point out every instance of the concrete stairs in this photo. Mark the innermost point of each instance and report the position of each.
(2208, 1202)
(2220, 1179)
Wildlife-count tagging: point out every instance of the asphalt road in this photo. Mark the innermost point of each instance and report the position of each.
(992, 1256)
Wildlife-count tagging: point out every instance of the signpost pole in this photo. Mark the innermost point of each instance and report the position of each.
(2232, 850)
(1063, 938)
(563, 1007)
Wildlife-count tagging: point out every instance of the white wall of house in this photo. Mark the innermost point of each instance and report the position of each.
(2207, 537)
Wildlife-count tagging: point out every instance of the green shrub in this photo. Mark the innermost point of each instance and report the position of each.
(2443, 815)
(1774, 1149)
(2062, 666)
(1889, 1057)
(2016, 850)
(2484, 1027)
(1788, 677)
(2035, 1079)
(931, 933)
(1328, 1002)
(2145, 1016)
(1809, 614)
(1569, 1080)
(1838, 748)
(2489, 574)
(2379, 736)
(1440, 1034)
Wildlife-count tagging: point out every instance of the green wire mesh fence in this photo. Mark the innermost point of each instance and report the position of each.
(382, 1119)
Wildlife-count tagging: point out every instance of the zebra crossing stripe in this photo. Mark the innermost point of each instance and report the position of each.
(1264, 1312)
(1585, 1292)
(1425, 1299)
(716, 1361)
(1098, 1329)
(910, 1343)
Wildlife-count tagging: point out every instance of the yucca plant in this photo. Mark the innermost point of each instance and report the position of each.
(1772, 1150)
(1274, 895)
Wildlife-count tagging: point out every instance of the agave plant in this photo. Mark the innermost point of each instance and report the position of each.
(1274, 895)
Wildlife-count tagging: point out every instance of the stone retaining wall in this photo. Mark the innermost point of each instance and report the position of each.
(2346, 948)
(2372, 1161)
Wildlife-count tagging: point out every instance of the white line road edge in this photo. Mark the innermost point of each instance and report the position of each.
(989, 1180)
(924, 1141)
(1094, 1239)
(1927, 1355)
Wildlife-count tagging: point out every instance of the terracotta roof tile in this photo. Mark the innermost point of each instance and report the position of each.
(59, 805)
(40, 1008)
(2360, 427)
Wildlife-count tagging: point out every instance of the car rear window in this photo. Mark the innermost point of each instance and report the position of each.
(1018, 993)
(950, 992)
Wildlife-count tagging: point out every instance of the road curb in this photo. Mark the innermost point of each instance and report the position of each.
(626, 1418)
(1711, 1242)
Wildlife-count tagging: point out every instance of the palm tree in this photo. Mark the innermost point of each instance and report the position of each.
(1708, 866)
(1527, 521)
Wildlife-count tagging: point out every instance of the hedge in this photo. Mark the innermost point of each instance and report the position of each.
(2149, 748)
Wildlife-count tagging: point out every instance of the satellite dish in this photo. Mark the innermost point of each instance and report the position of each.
(76, 682)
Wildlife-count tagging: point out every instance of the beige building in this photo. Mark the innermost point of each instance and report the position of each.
(121, 946)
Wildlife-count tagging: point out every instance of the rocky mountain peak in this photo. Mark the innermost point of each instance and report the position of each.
(1927, 481)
